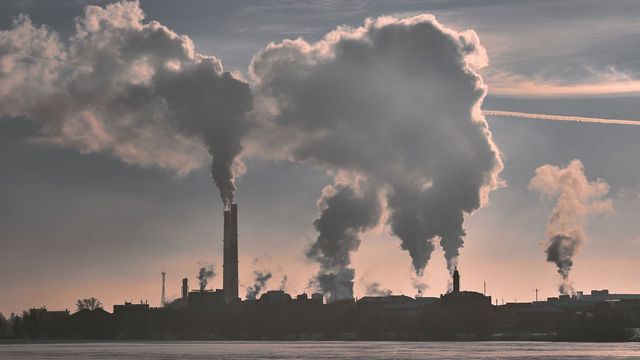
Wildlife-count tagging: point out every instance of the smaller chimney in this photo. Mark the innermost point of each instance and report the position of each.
(456, 281)
(185, 288)
(162, 297)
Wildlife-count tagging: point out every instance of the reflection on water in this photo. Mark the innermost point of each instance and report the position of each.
(318, 350)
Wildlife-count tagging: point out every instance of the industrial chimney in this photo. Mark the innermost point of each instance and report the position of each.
(230, 256)
(185, 288)
(162, 297)
(456, 281)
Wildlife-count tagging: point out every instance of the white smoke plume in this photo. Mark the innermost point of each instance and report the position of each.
(547, 117)
(397, 102)
(578, 199)
(132, 89)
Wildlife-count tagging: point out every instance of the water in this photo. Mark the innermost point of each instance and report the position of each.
(318, 350)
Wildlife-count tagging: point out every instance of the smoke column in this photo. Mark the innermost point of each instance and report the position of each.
(396, 102)
(577, 200)
(345, 213)
(560, 118)
(131, 89)
(260, 281)
(205, 274)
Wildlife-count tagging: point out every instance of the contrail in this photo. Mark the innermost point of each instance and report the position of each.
(560, 117)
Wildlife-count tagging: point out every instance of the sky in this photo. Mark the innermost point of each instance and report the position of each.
(76, 223)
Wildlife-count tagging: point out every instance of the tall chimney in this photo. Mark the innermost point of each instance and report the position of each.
(230, 258)
(185, 288)
(456, 281)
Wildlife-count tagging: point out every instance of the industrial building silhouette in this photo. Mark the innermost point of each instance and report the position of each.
(276, 315)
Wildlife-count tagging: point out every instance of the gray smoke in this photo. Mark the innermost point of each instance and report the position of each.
(205, 274)
(375, 289)
(260, 281)
(419, 286)
(397, 103)
(345, 212)
(132, 89)
(578, 199)
(283, 282)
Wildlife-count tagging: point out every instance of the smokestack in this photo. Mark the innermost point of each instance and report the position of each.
(456, 281)
(185, 288)
(230, 258)
(162, 298)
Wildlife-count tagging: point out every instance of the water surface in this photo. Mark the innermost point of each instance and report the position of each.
(318, 350)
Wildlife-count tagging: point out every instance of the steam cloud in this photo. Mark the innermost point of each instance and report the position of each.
(260, 281)
(137, 91)
(205, 274)
(396, 102)
(345, 213)
(578, 199)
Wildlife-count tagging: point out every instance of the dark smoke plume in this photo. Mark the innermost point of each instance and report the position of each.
(374, 289)
(578, 199)
(283, 282)
(397, 103)
(260, 281)
(345, 212)
(205, 274)
(132, 89)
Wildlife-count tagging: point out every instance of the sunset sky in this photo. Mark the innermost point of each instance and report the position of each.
(77, 222)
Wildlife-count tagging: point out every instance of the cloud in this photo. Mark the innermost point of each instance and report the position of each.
(397, 102)
(135, 90)
(610, 82)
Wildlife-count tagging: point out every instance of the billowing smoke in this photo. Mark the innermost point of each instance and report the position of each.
(132, 89)
(578, 198)
(260, 281)
(345, 212)
(375, 289)
(396, 102)
(205, 274)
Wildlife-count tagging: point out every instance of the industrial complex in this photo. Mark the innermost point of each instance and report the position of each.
(277, 315)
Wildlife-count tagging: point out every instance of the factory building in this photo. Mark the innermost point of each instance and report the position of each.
(458, 298)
